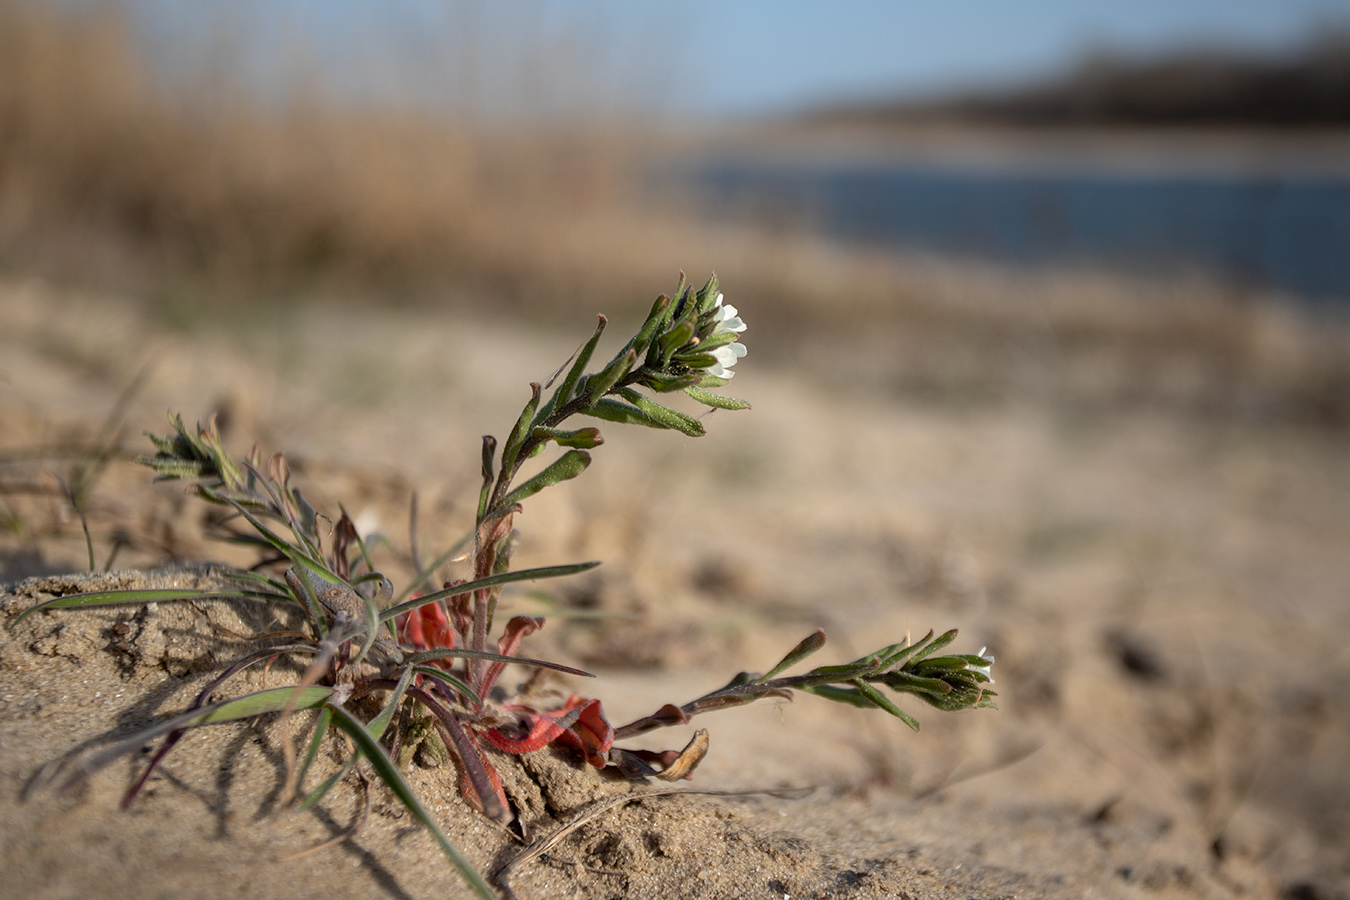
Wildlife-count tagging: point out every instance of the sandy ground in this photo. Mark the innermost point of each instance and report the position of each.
(1165, 594)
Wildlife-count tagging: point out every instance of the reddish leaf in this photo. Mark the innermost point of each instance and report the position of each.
(541, 729)
(427, 628)
(517, 630)
(580, 724)
(467, 791)
(592, 735)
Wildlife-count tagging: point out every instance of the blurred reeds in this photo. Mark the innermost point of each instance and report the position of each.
(100, 160)
(112, 174)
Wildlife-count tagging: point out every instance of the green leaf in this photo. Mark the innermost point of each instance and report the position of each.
(372, 623)
(808, 645)
(671, 341)
(441, 675)
(376, 727)
(881, 701)
(715, 400)
(600, 383)
(915, 684)
(662, 310)
(291, 551)
(520, 429)
(941, 641)
(668, 417)
(569, 385)
(665, 383)
(616, 411)
(581, 438)
(315, 742)
(259, 702)
(455, 652)
(246, 707)
(568, 466)
(328, 783)
(490, 581)
(849, 695)
(489, 449)
(713, 341)
(707, 295)
(390, 775)
(114, 598)
(897, 653)
(697, 360)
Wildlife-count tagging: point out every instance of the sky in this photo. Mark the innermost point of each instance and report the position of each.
(721, 59)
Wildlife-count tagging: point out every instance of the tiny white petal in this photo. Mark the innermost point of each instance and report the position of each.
(726, 354)
(985, 668)
(727, 318)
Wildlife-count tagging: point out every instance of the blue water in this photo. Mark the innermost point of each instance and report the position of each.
(1291, 233)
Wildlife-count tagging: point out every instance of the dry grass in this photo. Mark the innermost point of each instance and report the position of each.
(97, 156)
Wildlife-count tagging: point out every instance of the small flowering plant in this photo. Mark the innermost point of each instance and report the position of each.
(401, 676)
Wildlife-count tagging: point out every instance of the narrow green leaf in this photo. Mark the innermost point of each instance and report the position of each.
(881, 701)
(616, 411)
(808, 645)
(938, 643)
(600, 383)
(851, 696)
(441, 675)
(865, 666)
(245, 707)
(390, 775)
(656, 320)
(377, 725)
(581, 438)
(489, 451)
(315, 742)
(665, 383)
(259, 702)
(668, 417)
(569, 385)
(673, 340)
(568, 466)
(490, 581)
(328, 783)
(713, 341)
(708, 398)
(915, 684)
(372, 623)
(940, 664)
(114, 598)
(697, 360)
(282, 546)
(521, 428)
(898, 653)
(458, 652)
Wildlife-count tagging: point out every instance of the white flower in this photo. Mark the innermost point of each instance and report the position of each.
(985, 668)
(727, 318)
(726, 355)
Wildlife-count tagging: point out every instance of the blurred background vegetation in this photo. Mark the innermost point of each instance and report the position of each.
(207, 161)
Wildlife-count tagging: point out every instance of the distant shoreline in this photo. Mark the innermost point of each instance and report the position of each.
(1310, 153)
